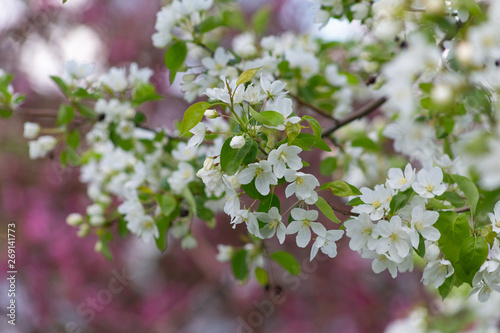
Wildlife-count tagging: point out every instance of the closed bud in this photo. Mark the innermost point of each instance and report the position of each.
(74, 219)
(83, 230)
(211, 113)
(237, 142)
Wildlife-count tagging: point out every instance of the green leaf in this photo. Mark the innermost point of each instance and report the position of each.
(73, 139)
(270, 200)
(287, 261)
(355, 202)
(193, 115)
(167, 203)
(85, 111)
(145, 92)
(400, 200)
(231, 159)
(175, 57)
(188, 195)
(326, 209)
(163, 225)
(61, 84)
(65, 115)
(292, 130)
(469, 189)
(445, 288)
(251, 191)
(455, 199)
(240, 268)
(328, 166)
(473, 254)
(316, 127)
(365, 142)
(261, 276)
(247, 75)
(269, 118)
(340, 188)
(261, 18)
(421, 246)
(454, 231)
(6, 113)
(210, 23)
(305, 140)
(122, 227)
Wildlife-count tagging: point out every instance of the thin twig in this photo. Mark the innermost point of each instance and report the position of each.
(360, 113)
(342, 211)
(462, 210)
(313, 107)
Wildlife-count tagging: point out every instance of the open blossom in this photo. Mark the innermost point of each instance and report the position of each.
(495, 218)
(376, 201)
(362, 231)
(262, 172)
(42, 146)
(273, 90)
(429, 183)
(144, 227)
(198, 135)
(181, 177)
(115, 79)
(274, 225)
(327, 244)
(421, 223)
(78, 71)
(381, 262)
(302, 185)
(285, 156)
(394, 239)
(31, 130)
(250, 219)
(436, 272)
(303, 222)
(399, 180)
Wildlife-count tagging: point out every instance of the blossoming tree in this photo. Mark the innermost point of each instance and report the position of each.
(412, 105)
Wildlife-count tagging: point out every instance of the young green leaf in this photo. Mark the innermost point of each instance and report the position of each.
(326, 209)
(247, 76)
(239, 263)
(454, 231)
(469, 189)
(287, 261)
(261, 276)
(193, 115)
(473, 253)
(175, 57)
(269, 118)
(163, 225)
(340, 188)
(231, 159)
(65, 114)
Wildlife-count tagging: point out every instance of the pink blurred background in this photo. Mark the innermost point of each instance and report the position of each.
(63, 285)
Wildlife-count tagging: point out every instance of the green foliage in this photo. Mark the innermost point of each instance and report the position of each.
(454, 231)
(231, 159)
(269, 118)
(328, 166)
(261, 18)
(65, 115)
(144, 93)
(326, 209)
(473, 253)
(193, 115)
(340, 188)
(261, 276)
(175, 57)
(287, 261)
(400, 200)
(270, 200)
(239, 264)
(61, 84)
(247, 75)
(469, 189)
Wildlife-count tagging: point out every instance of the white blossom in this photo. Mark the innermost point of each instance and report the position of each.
(303, 222)
(429, 183)
(262, 172)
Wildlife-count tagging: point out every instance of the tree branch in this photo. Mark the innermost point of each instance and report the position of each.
(462, 210)
(360, 113)
(313, 107)
(342, 211)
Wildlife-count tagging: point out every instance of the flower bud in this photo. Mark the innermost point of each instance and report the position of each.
(31, 130)
(442, 94)
(83, 231)
(237, 142)
(465, 53)
(74, 219)
(208, 164)
(211, 113)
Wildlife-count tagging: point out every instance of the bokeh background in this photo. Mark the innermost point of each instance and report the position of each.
(61, 276)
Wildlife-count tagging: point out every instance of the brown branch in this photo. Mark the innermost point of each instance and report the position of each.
(360, 113)
(342, 211)
(313, 107)
(462, 210)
